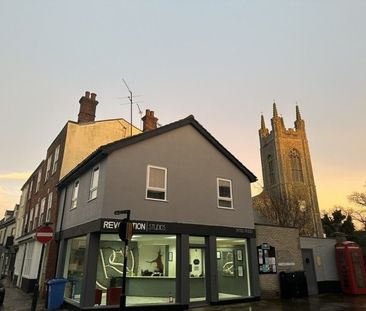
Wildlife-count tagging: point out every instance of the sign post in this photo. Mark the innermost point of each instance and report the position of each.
(125, 233)
(44, 234)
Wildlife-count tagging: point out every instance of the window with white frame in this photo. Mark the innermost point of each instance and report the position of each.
(49, 160)
(38, 180)
(26, 223)
(35, 221)
(74, 198)
(49, 205)
(30, 190)
(94, 183)
(24, 195)
(55, 159)
(224, 193)
(41, 212)
(156, 184)
(28, 259)
(30, 225)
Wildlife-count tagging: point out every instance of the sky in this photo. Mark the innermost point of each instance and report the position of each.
(224, 62)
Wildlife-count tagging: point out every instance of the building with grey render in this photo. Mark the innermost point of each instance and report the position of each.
(191, 208)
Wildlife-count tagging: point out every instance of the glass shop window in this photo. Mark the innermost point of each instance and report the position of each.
(151, 270)
(232, 268)
(74, 267)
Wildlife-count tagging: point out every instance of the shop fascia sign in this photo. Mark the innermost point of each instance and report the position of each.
(138, 226)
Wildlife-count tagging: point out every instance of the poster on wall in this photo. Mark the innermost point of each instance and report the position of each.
(266, 259)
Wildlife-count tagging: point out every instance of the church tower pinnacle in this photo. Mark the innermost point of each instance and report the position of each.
(299, 123)
(275, 113)
(298, 115)
(263, 131)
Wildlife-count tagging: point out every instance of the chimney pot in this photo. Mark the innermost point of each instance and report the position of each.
(87, 94)
(93, 96)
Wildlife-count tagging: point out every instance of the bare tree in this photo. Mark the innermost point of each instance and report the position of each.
(359, 211)
(359, 216)
(291, 211)
(358, 198)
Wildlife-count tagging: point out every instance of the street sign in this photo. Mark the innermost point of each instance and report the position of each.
(125, 230)
(44, 234)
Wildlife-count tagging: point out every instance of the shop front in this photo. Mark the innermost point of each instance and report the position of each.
(170, 265)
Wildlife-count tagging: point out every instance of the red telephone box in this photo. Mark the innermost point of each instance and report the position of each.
(351, 268)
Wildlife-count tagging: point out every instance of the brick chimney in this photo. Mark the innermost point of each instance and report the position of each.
(88, 105)
(149, 121)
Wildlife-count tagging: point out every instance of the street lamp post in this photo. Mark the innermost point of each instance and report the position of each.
(125, 233)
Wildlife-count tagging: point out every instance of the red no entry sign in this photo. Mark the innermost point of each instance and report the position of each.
(44, 234)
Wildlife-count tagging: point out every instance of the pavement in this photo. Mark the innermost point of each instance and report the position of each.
(17, 300)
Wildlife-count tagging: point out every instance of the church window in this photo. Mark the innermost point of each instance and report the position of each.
(271, 170)
(297, 175)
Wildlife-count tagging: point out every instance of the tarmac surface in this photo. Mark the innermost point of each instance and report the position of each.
(17, 300)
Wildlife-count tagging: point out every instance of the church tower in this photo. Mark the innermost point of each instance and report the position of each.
(286, 167)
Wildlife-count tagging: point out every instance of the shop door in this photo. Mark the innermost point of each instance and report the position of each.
(197, 274)
(309, 268)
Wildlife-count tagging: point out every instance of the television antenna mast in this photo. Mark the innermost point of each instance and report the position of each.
(130, 97)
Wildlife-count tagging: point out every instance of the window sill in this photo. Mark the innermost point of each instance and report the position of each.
(92, 199)
(227, 208)
(156, 200)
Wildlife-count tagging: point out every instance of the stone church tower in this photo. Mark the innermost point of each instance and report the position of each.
(286, 166)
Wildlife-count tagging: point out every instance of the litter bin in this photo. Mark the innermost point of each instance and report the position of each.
(293, 284)
(56, 289)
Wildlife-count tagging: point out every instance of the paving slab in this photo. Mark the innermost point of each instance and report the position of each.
(17, 300)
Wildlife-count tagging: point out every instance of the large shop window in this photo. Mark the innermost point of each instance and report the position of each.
(74, 267)
(232, 268)
(151, 270)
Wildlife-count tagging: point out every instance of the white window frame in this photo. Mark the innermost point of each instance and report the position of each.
(227, 199)
(165, 190)
(55, 159)
(94, 189)
(49, 206)
(41, 212)
(47, 175)
(29, 256)
(38, 180)
(35, 218)
(30, 189)
(26, 229)
(30, 221)
(74, 196)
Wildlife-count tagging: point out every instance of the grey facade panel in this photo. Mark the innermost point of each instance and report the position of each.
(193, 166)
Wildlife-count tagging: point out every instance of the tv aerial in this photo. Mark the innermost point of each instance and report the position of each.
(131, 102)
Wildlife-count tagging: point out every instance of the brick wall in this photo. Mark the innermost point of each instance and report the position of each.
(288, 255)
